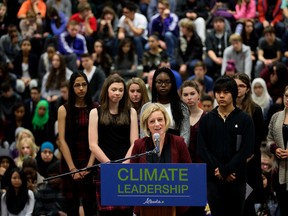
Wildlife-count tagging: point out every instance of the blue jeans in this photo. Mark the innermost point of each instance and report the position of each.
(279, 29)
(139, 42)
(171, 42)
(213, 70)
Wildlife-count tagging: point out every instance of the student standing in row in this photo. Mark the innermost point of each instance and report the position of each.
(224, 143)
(73, 130)
(113, 128)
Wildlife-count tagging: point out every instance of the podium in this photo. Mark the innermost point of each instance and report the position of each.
(154, 189)
(156, 211)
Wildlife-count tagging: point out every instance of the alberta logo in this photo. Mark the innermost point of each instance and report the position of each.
(149, 201)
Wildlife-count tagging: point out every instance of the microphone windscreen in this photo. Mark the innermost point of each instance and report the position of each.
(156, 136)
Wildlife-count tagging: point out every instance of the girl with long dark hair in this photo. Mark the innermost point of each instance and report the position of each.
(17, 200)
(112, 131)
(52, 81)
(254, 176)
(126, 60)
(164, 91)
(101, 58)
(73, 130)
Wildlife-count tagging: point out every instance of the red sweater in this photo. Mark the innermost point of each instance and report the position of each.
(174, 150)
(277, 12)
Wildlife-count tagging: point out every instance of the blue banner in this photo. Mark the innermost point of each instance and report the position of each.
(153, 184)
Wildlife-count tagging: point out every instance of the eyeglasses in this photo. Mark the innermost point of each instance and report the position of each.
(161, 82)
(78, 85)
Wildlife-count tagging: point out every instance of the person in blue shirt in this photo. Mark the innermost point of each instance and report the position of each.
(200, 71)
(71, 43)
(165, 25)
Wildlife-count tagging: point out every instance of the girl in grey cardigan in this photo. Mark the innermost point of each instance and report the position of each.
(277, 141)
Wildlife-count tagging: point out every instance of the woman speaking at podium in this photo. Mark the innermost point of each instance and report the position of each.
(169, 148)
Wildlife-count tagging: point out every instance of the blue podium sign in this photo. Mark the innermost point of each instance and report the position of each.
(153, 184)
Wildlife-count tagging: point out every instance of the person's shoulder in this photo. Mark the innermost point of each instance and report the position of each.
(208, 78)
(176, 74)
(80, 37)
(212, 114)
(75, 16)
(3, 195)
(98, 71)
(262, 41)
(95, 110)
(257, 107)
(178, 140)
(241, 114)
(245, 48)
(26, 4)
(62, 109)
(211, 34)
(154, 17)
(184, 106)
(174, 15)
(139, 15)
(229, 49)
(63, 34)
(141, 142)
(30, 193)
(175, 137)
(276, 115)
(133, 111)
(278, 41)
(68, 72)
(122, 18)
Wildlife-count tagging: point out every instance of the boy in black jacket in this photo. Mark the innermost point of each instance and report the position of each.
(225, 141)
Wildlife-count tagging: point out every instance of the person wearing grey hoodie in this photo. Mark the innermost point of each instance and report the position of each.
(6, 165)
(240, 53)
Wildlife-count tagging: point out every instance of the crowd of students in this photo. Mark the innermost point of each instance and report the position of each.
(78, 79)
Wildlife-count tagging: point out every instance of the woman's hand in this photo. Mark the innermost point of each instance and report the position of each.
(2, 171)
(31, 185)
(281, 153)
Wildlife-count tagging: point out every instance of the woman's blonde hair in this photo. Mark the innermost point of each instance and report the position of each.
(34, 148)
(187, 23)
(22, 134)
(151, 108)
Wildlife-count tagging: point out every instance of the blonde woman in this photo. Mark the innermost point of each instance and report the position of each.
(26, 148)
(172, 148)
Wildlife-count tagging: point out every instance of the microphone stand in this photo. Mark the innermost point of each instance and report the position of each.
(154, 151)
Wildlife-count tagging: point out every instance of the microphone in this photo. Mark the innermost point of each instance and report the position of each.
(156, 138)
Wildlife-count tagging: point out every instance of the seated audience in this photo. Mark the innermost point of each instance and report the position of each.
(269, 50)
(45, 158)
(95, 76)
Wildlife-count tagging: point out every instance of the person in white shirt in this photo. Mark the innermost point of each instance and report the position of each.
(134, 25)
